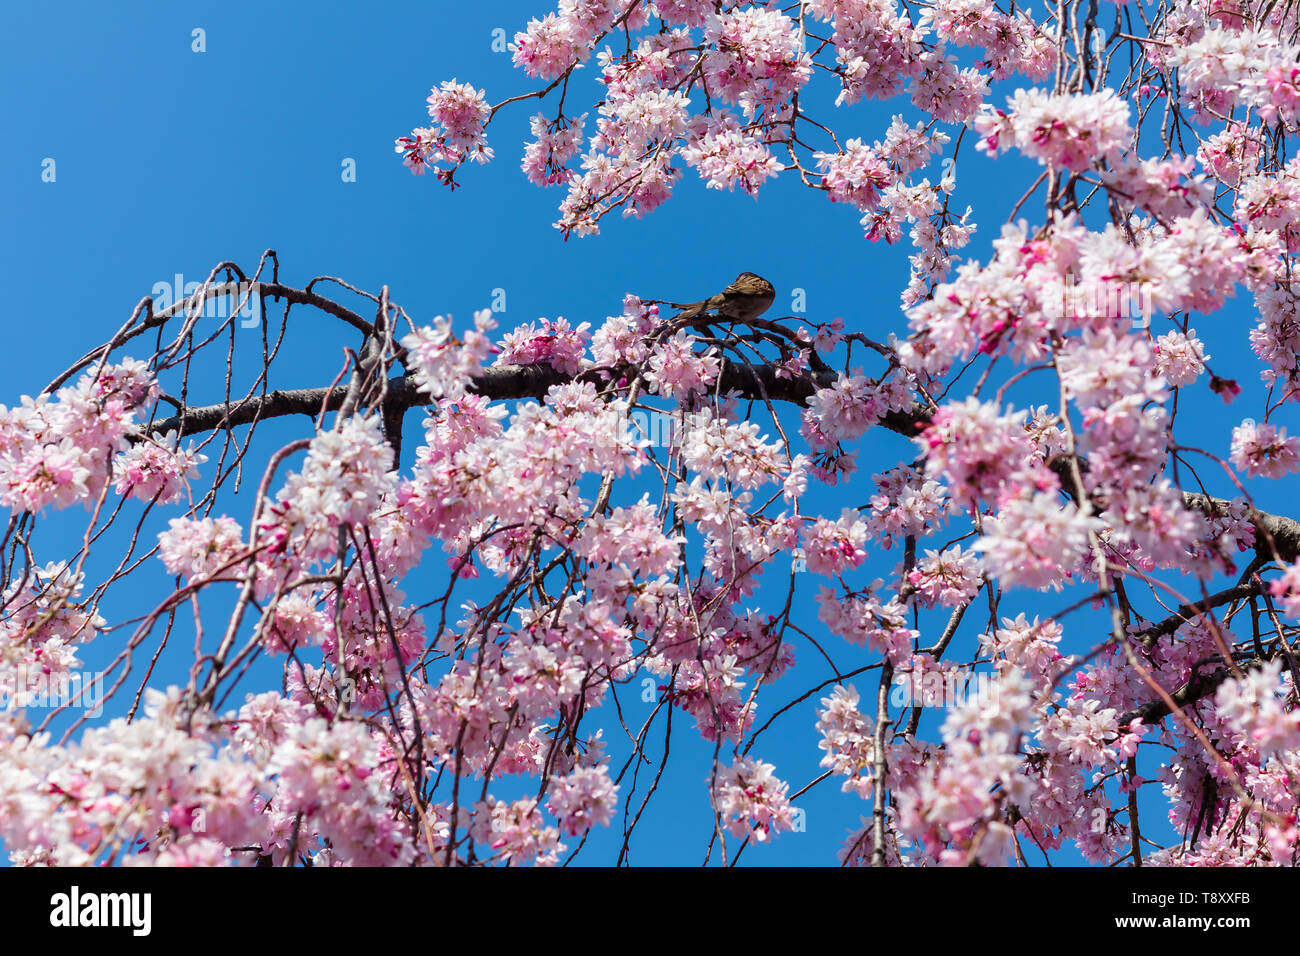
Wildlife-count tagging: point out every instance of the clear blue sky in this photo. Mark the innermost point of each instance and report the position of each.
(169, 161)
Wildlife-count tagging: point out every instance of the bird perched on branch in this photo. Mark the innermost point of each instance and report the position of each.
(746, 298)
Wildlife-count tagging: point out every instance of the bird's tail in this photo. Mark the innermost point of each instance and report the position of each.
(689, 311)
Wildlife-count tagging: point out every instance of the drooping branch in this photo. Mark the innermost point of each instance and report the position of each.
(196, 302)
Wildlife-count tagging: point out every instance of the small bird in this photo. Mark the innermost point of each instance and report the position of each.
(747, 298)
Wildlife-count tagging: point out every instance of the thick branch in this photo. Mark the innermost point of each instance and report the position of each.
(1189, 612)
(1284, 532)
(1200, 686)
(512, 381)
(497, 383)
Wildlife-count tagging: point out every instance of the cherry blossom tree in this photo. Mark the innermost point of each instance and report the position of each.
(480, 722)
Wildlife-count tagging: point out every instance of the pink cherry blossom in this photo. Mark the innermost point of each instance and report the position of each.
(1264, 450)
(200, 547)
(752, 801)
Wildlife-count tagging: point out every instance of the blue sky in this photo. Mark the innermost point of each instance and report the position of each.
(169, 161)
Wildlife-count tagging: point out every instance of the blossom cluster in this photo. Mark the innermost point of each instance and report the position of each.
(64, 449)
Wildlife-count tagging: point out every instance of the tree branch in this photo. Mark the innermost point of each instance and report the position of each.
(1201, 685)
(265, 290)
(1284, 532)
(1189, 612)
(497, 383)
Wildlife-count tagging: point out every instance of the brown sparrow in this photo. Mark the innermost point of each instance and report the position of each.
(746, 298)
